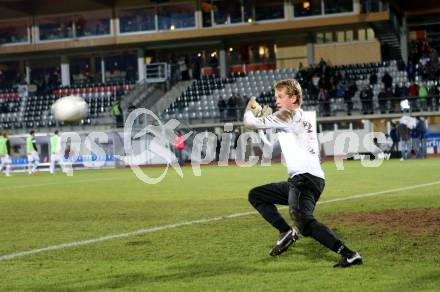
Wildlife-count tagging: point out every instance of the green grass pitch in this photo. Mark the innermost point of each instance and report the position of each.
(397, 232)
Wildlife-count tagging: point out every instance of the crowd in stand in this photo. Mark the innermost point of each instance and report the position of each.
(232, 109)
(322, 82)
(423, 61)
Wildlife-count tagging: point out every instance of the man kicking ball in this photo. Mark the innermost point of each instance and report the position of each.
(306, 180)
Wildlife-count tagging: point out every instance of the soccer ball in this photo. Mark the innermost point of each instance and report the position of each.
(70, 108)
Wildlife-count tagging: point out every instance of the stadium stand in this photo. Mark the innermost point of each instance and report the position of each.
(200, 101)
(33, 111)
(9, 108)
(101, 50)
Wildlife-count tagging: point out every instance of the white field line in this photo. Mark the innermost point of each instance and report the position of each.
(6, 188)
(176, 225)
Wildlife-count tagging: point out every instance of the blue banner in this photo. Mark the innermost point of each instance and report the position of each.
(433, 141)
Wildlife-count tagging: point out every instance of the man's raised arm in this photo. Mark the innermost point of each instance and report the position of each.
(257, 117)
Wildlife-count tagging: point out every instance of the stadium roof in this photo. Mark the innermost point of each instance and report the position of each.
(411, 7)
(17, 8)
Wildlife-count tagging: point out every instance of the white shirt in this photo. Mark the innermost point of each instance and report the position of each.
(297, 138)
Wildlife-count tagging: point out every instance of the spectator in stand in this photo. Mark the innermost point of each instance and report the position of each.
(404, 140)
(323, 83)
(230, 107)
(397, 91)
(222, 109)
(382, 97)
(366, 97)
(401, 91)
(396, 97)
(239, 106)
(394, 138)
(196, 67)
(433, 89)
(245, 99)
(352, 89)
(413, 89)
(405, 90)
(324, 102)
(426, 70)
(411, 70)
(373, 79)
(213, 62)
(322, 66)
(183, 68)
(341, 90)
(423, 96)
(387, 81)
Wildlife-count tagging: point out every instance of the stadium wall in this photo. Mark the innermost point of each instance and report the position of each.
(290, 55)
(348, 53)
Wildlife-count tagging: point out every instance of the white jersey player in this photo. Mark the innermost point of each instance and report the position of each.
(306, 179)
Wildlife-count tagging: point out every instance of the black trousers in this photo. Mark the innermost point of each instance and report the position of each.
(300, 193)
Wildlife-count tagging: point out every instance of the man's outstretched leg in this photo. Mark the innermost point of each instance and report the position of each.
(305, 191)
(264, 198)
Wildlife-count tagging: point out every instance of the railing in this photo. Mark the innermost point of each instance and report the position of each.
(388, 105)
(140, 87)
(157, 72)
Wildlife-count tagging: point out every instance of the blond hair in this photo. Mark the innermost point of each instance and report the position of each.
(293, 88)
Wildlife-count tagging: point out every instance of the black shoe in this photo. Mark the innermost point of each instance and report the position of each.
(354, 259)
(285, 240)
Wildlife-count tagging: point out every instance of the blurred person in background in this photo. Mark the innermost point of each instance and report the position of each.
(32, 153)
(422, 131)
(394, 137)
(117, 112)
(403, 133)
(180, 147)
(222, 109)
(5, 154)
(55, 152)
(366, 97)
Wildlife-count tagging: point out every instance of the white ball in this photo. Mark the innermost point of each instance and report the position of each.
(70, 108)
